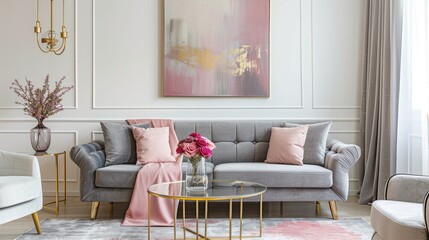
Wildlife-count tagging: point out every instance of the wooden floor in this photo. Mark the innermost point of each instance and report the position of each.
(75, 209)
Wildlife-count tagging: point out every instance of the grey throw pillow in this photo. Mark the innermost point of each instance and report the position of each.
(120, 146)
(315, 142)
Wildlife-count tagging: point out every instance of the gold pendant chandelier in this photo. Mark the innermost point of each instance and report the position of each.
(49, 41)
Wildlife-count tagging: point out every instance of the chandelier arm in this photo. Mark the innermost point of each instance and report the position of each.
(62, 48)
(38, 44)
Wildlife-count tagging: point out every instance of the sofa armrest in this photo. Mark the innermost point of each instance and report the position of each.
(88, 157)
(340, 158)
(407, 188)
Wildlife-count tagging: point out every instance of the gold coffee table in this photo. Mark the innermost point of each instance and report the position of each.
(220, 190)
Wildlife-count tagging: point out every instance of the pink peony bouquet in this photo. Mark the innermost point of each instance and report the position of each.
(195, 146)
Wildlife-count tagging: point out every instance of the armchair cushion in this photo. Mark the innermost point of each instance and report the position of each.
(396, 220)
(18, 189)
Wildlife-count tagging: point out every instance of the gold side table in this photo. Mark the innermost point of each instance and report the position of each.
(57, 200)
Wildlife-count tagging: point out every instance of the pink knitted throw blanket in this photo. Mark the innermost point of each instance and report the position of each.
(162, 213)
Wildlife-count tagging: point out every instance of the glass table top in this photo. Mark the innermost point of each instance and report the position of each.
(217, 190)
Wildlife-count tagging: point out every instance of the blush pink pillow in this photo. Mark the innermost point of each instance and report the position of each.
(152, 145)
(287, 145)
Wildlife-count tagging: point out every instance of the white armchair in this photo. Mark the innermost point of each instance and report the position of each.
(405, 212)
(20, 187)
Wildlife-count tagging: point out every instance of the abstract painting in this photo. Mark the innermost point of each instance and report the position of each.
(216, 48)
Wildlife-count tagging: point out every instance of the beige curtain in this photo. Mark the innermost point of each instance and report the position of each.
(379, 97)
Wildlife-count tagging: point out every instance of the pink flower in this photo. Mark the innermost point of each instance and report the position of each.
(179, 150)
(195, 135)
(190, 149)
(202, 142)
(210, 144)
(205, 152)
(189, 139)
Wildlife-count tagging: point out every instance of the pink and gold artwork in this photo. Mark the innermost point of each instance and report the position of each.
(216, 48)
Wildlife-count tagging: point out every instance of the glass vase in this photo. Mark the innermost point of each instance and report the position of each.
(196, 174)
(40, 137)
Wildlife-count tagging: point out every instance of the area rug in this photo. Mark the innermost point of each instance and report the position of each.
(273, 228)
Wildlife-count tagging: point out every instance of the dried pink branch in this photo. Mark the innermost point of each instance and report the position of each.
(40, 103)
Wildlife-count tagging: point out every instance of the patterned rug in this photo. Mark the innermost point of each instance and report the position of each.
(273, 228)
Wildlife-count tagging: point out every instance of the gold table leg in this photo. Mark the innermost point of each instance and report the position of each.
(175, 217)
(56, 185)
(241, 218)
(205, 219)
(148, 216)
(196, 219)
(230, 219)
(260, 216)
(65, 177)
(184, 216)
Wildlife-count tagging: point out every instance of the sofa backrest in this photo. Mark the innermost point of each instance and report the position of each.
(236, 141)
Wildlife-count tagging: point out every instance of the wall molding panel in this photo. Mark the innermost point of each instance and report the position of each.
(95, 133)
(349, 90)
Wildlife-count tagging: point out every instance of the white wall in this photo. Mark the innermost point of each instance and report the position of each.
(114, 55)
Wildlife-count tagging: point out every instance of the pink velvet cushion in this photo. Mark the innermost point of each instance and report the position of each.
(152, 145)
(287, 145)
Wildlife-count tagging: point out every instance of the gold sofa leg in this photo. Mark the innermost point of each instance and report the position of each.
(94, 210)
(318, 209)
(36, 222)
(333, 207)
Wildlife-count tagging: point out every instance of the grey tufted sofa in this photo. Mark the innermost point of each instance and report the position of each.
(241, 150)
